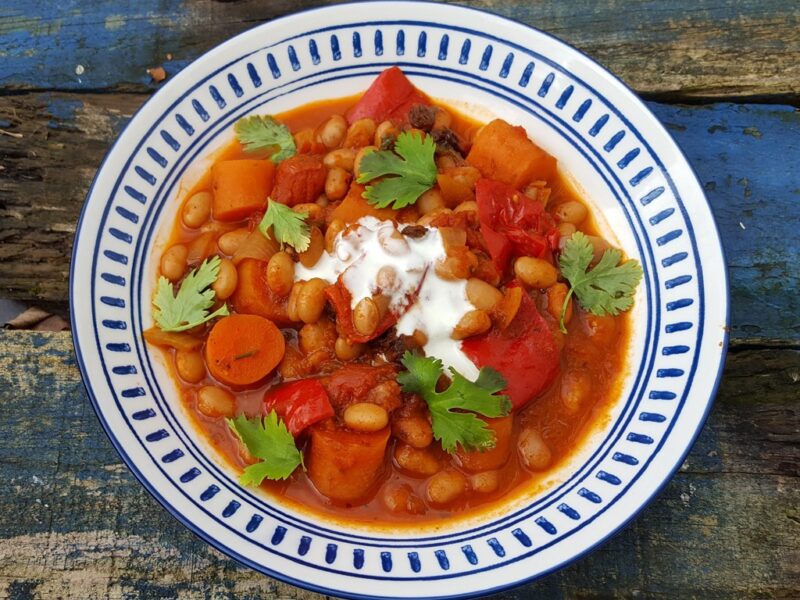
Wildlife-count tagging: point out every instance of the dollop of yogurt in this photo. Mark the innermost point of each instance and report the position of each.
(373, 256)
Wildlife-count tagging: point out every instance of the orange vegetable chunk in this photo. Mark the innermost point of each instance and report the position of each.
(299, 179)
(240, 187)
(243, 349)
(253, 296)
(343, 465)
(476, 461)
(354, 206)
(504, 153)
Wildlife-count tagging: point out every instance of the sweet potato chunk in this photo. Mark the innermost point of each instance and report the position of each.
(476, 461)
(240, 187)
(354, 206)
(504, 153)
(299, 179)
(254, 297)
(343, 465)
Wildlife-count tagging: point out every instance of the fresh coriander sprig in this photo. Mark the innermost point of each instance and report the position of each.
(262, 132)
(412, 166)
(268, 439)
(453, 428)
(189, 307)
(608, 288)
(288, 226)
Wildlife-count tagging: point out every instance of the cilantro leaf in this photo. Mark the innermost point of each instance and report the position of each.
(268, 439)
(288, 226)
(262, 132)
(452, 428)
(189, 307)
(412, 164)
(608, 288)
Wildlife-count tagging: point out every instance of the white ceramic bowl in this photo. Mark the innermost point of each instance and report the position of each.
(603, 136)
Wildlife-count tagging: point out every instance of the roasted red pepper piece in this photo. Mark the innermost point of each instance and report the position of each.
(299, 179)
(525, 353)
(513, 224)
(390, 97)
(299, 403)
(340, 297)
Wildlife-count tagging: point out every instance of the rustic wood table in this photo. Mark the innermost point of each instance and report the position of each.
(723, 76)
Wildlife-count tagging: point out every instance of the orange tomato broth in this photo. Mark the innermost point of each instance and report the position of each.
(563, 428)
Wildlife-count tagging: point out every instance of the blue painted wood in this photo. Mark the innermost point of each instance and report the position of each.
(109, 44)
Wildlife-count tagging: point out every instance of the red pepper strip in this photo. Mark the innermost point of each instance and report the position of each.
(390, 96)
(299, 403)
(525, 353)
(340, 297)
(512, 224)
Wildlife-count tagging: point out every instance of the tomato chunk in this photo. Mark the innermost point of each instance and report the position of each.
(525, 352)
(390, 97)
(299, 403)
(299, 179)
(512, 224)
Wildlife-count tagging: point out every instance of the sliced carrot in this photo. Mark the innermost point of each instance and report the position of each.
(179, 341)
(240, 187)
(253, 296)
(504, 153)
(476, 461)
(344, 465)
(354, 206)
(243, 349)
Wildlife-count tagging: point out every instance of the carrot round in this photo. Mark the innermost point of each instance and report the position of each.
(243, 349)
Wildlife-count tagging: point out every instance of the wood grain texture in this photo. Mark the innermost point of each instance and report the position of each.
(733, 148)
(76, 524)
(680, 49)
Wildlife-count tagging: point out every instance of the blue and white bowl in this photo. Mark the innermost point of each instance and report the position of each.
(615, 150)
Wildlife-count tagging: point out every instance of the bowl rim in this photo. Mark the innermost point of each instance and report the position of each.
(667, 474)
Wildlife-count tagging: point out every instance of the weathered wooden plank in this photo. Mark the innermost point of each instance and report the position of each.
(745, 155)
(686, 49)
(75, 523)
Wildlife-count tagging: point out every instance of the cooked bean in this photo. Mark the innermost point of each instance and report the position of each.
(565, 231)
(458, 265)
(310, 300)
(414, 430)
(482, 295)
(366, 417)
(310, 256)
(226, 281)
(360, 133)
(359, 156)
(197, 209)
(571, 212)
(366, 316)
(341, 158)
(332, 132)
(575, 388)
(291, 304)
(190, 365)
(599, 247)
(347, 351)
(420, 337)
(468, 206)
(385, 130)
(315, 214)
(468, 176)
(430, 201)
(418, 461)
(485, 482)
(401, 499)
(442, 119)
(318, 337)
(533, 450)
(214, 402)
(393, 242)
(472, 323)
(386, 278)
(446, 486)
(173, 262)
(535, 272)
(337, 183)
(229, 242)
(280, 273)
(556, 294)
(334, 228)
